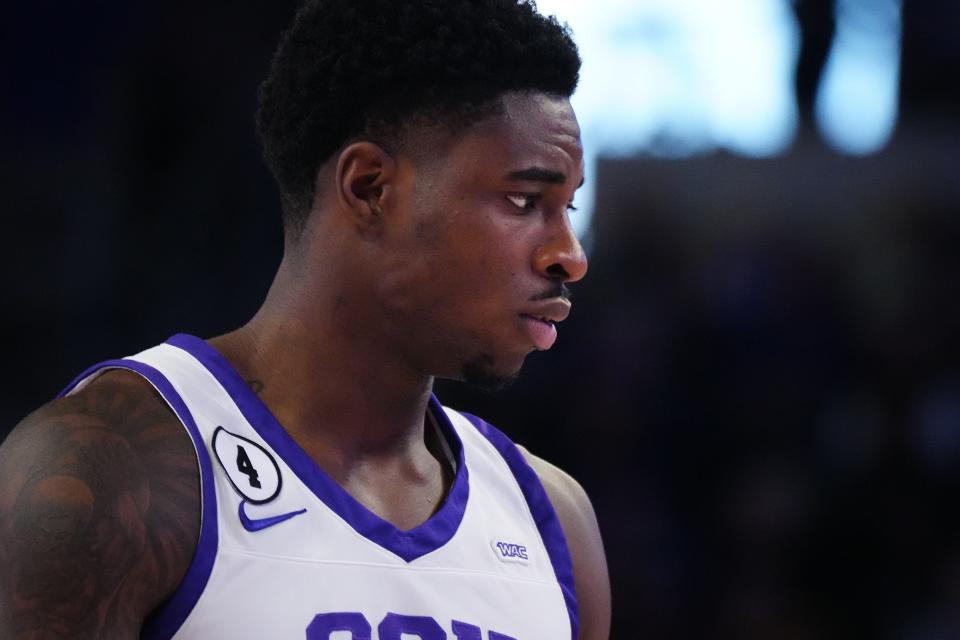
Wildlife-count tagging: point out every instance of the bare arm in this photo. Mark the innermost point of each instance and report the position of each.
(580, 527)
(99, 513)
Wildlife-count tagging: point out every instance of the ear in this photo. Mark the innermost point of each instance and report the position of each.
(365, 177)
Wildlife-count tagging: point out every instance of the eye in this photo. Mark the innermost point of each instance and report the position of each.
(571, 208)
(525, 201)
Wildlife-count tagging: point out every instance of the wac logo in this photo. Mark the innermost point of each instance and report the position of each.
(510, 551)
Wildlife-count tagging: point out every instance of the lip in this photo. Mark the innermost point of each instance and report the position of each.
(540, 321)
(553, 311)
(542, 332)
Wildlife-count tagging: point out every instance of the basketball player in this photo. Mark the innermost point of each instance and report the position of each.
(296, 478)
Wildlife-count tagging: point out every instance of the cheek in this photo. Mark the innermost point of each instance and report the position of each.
(455, 266)
(403, 288)
(421, 282)
(447, 294)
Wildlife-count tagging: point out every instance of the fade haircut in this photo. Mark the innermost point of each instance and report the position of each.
(364, 69)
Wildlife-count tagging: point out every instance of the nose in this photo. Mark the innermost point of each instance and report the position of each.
(561, 257)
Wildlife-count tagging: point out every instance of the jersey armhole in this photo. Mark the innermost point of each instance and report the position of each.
(166, 620)
(544, 515)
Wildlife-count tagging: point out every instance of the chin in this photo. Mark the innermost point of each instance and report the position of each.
(483, 372)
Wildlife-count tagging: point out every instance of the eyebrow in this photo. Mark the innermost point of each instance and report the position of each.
(539, 174)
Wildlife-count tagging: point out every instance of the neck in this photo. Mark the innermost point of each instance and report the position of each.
(327, 378)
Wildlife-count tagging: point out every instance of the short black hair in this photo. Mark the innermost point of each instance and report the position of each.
(352, 68)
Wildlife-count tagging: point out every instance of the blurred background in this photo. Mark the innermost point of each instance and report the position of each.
(760, 384)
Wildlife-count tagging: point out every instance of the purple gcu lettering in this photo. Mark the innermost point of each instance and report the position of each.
(324, 624)
(393, 627)
(424, 628)
(465, 631)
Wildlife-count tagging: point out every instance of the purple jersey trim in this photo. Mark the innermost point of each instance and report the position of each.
(408, 545)
(170, 616)
(543, 514)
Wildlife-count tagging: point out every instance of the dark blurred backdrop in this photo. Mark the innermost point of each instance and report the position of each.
(760, 384)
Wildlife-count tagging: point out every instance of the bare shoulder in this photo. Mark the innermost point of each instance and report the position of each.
(580, 527)
(99, 512)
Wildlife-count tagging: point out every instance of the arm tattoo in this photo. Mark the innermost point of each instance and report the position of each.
(99, 513)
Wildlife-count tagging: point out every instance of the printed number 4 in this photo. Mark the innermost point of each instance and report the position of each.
(246, 467)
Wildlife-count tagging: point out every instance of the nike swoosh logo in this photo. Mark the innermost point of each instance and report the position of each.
(259, 524)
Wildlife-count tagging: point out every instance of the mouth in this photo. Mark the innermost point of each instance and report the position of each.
(542, 331)
(541, 321)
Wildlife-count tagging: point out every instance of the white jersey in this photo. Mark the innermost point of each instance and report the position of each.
(285, 552)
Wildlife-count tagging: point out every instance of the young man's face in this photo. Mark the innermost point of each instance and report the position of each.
(475, 275)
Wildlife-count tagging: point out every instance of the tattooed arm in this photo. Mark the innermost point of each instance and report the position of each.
(99, 513)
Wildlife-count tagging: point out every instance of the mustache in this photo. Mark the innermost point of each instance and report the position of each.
(560, 290)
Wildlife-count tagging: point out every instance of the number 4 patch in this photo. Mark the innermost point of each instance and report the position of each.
(246, 467)
(251, 469)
